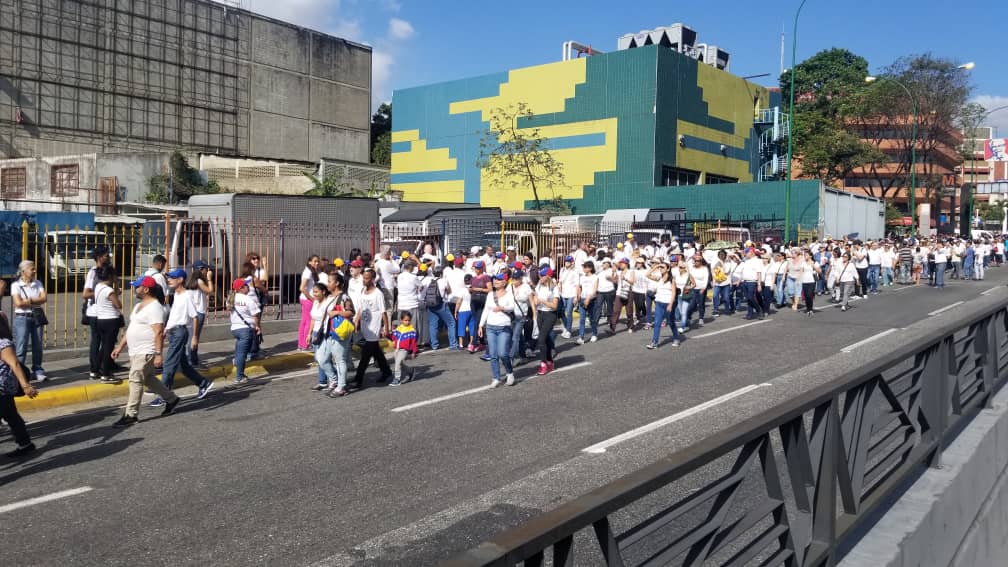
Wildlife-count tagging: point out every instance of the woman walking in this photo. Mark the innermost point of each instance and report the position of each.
(244, 326)
(546, 300)
(309, 277)
(810, 274)
(846, 277)
(685, 286)
(623, 295)
(587, 301)
(28, 295)
(12, 378)
(108, 310)
(665, 292)
(201, 284)
(495, 329)
(334, 352)
(606, 289)
(321, 306)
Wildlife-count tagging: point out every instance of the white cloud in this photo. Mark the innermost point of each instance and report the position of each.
(400, 29)
(381, 72)
(999, 119)
(313, 14)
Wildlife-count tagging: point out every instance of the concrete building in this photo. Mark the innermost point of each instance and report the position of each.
(79, 78)
(629, 126)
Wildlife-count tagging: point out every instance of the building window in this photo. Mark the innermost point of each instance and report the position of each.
(711, 179)
(13, 183)
(678, 176)
(64, 180)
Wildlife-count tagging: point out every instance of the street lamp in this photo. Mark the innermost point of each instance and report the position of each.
(790, 138)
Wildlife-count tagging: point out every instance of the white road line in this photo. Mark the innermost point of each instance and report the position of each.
(735, 328)
(946, 308)
(989, 290)
(849, 348)
(43, 499)
(601, 447)
(480, 389)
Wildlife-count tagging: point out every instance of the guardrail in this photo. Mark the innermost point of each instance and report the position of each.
(847, 446)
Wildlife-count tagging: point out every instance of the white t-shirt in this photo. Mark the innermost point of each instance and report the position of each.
(568, 281)
(589, 286)
(90, 281)
(387, 272)
(199, 297)
(580, 257)
(160, 279)
(751, 269)
(605, 285)
(409, 290)
(941, 255)
(244, 306)
(664, 292)
(640, 283)
(307, 275)
(183, 310)
(701, 276)
(139, 333)
(875, 256)
(23, 290)
(462, 296)
(319, 310)
(520, 295)
(103, 305)
(545, 295)
(371, 306)
(808, 273)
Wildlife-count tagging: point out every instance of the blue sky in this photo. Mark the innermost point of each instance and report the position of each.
(418, 42)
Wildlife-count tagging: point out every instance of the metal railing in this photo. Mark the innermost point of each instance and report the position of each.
(845, 448)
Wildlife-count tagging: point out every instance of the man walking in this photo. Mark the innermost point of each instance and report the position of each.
(180, 319)
(144, 337)
(372, 323)
(100, 255)
(752, 284)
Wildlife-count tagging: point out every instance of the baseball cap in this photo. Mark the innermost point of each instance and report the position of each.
(545, 272)
(449, 257)
(498, 254)
(356, 264)
(569, 259)
(145, 281)
(458, 262)
(479, 264)
(510, 248)
(338, 262)
(518, 274)
(423, 267)
(176, 273)
(501, 276)
(629, 235)
(475, 250)
(200, 264)
(405, 254)
(238, 284)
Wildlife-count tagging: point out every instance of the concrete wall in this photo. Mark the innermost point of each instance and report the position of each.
(186, 74)
(953, 516)
(132, 172)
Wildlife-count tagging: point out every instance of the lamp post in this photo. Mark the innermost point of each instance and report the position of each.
(790, 138)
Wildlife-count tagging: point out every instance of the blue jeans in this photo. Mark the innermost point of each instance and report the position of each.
(649, 301)
(873, 276)
(682, 311)
(722, 294)
(591, 313)
(437, 316)
(968, 268)
(887, 275)
(333, 357)
(779, 289)
(568, 311)
(243, 347)
(517, 337)
(175, 359)
(698, 305)
(26, 330)
(940, 274)
(662, 312)
(193, 353)
(498, 339)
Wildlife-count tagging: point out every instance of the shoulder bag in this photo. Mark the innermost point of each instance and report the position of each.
(38, 314)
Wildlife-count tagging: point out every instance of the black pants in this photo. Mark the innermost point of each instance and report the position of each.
(606, 306)
(9, 413)
(476, 303)
(371, 350)
(547, 319)
(95, 346)
(862, 274)
(808, 294)
(108, 331)
(640, 309)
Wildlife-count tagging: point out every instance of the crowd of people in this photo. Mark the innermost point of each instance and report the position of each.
(502, 305)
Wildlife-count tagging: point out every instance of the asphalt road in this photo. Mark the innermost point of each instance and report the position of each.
(272, 473)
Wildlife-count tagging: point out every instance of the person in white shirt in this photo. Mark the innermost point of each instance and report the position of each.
(721, 270)
(639, 289)
(846, 276)
(181, 317)
(108, 321)
(387, 273)
(606, 289)
(440, 291)
(155, 271)
(495, 328)
(941, 255)
(521, 326)
(101, 256)
(372, 322)
(888, 263)
(860, 258)
(875, 257)
(702, 277)
(665, 293)
(546, 302)
(145, 339)
(580, 255)
(752, 284)
(568, 282)
(245, 313)
(587, 292)
(309, 277)
(28, 294)
(410, 291)
(201, 285)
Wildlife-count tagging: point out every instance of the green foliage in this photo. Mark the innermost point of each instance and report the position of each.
(556, 206)
(179, 183)
(381, 127)
(988, 212)
(516, 156)
(339, 186)
(381, 153)
(892, 214)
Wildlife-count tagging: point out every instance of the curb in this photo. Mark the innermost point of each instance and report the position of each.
(94, 391)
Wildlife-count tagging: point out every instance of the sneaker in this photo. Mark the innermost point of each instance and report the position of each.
(395, 382)
(93, 375)
(40, 375)
(125, 421)
(320, 387)
(23, 450)
(337, 393)
(543, 369)
(651, 346)
(594, 339)
(630, 330)
(241, 379)
(510, 380)
(566, 334)
(485, 357)
(110, 380)
(550, 366)
(675, 342)
(205, 389)
(495, 383)
(682, 329)
(716, 315)
(580, 340)
(156, 402)
(700, 323)
(170, 406)
(471, 349)
(480, 348)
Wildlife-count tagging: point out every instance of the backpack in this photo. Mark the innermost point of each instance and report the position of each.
(432, 297)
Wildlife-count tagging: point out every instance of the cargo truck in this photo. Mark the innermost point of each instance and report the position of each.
(447, 227)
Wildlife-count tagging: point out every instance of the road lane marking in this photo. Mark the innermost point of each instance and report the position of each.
(43, 499)
(601, 447)
(946, 308)
(735, 328)
(850, 348)
(989, 290)
(471, 391)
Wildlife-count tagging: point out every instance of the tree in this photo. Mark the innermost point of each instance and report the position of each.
(381, 126)
(823, 146)
(179, 183)
(340, 186)
(381, 153)
(513, 156)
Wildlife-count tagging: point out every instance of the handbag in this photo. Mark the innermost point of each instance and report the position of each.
(342, 327)
(38, 314)
(323, 331)
(84, 318)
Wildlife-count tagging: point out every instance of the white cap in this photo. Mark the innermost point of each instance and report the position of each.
(475, 250)
(510, 248)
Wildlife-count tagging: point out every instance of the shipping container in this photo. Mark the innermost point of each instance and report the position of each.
(450, 228)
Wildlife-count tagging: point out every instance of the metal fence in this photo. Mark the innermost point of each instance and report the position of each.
(845, 448)
(62, 255)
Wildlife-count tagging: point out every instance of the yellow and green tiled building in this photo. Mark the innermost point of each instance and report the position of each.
(626, 125)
